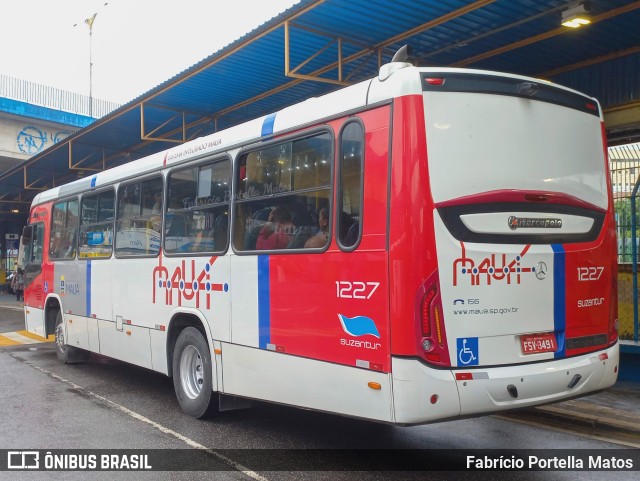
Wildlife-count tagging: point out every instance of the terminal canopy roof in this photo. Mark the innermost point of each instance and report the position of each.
(320, 45)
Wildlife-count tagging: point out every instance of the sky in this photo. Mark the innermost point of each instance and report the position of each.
(135, 44)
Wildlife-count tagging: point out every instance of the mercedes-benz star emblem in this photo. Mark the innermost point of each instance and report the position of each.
(541, 270)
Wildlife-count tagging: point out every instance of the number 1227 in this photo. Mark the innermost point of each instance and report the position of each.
(356, 290)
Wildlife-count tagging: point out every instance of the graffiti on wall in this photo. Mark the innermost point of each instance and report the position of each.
(33, 140)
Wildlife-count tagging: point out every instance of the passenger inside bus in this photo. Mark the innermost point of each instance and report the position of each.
(277, 233)
(155, 219)
(157, 206)
(322, 236)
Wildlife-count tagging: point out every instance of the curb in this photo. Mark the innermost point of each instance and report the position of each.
(590, 420)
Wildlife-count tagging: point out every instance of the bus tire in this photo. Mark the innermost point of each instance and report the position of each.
(67, 354)
(192, 374)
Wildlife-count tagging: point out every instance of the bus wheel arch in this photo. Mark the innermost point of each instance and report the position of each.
(177, 324)
(52, 307)
(66, 354)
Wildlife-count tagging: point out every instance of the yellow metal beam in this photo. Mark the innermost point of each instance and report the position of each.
(323, 33)
(289, 72)
(167, 137)
(76, 166)
(26, 185)
(85, 169)
(149, 136)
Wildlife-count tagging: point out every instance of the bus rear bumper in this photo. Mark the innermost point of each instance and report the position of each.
(483, 391)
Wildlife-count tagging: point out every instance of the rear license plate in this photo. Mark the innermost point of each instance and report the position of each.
(537, 343)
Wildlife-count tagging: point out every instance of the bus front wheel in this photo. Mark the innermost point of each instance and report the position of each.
(192, 373)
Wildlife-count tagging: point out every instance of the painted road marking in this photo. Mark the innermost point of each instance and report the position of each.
(119, 407)
(22, 337)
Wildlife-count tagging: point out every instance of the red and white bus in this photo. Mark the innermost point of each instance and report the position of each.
(430, 244)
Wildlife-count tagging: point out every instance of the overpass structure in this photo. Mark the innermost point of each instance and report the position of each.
(34, 117)
(319, 45)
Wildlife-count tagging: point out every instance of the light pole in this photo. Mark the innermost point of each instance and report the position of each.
(89, 22)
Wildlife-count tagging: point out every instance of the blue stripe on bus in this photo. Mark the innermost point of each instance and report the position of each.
(264, 303)
(559, 297)
(88, 290)
(267, 125)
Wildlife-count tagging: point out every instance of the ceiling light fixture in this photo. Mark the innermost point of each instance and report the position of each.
(576, 16)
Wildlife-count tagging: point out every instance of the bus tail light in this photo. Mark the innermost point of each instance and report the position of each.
(425, 310)
(434, 80)
(432, 337)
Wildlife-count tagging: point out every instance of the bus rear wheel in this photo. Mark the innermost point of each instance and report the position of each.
(67, 354)
(193, 374)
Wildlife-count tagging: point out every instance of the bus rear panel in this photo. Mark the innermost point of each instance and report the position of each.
(521, 308)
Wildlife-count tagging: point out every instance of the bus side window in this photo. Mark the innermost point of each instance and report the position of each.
(281, 190)
(32, 253)
(350, 185)
(198, 208)
(64, 229)
(96, 229)
(137, 226)
(37, 243)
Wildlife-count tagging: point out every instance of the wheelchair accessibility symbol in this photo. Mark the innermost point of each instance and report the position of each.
(467, 351)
